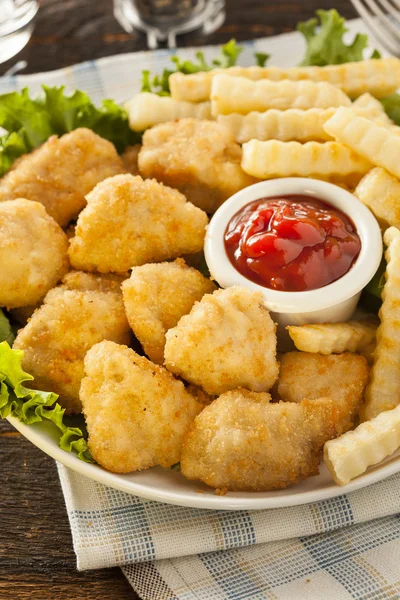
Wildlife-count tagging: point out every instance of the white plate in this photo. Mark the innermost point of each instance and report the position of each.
(171, 487)
(166, 485)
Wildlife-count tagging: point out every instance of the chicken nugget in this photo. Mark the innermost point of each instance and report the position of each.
(312, 376)
(130, 159)
(199, 158)
(136, 412)
(63, 329)
(156, 296)
(130, 222)
(61, 172)
(228, 340)
(90, 282)
(33, 253)
(243, 442)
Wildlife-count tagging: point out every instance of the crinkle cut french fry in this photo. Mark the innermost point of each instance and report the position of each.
(146, 109)
(376, 143)
(284, 125)
(383, 391)
(368, 102)
(280, 159)
(241, 95)
(378, 77)
(333, 338)
(352, 453)
(380, 191)
(377, 113)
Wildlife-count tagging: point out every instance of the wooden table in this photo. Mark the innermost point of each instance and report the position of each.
(37, 561)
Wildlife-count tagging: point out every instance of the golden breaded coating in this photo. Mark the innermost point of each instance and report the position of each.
(61, 172)
(136, 412)
(130, 159)
(242, 442)
(130, 222)
(33, 253)
(199, 158)
(338, 376)
(156, 296)
(63, 329)
(89, 282)
(228, 340)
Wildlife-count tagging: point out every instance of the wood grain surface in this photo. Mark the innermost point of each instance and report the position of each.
(71, 31)
(37, 561)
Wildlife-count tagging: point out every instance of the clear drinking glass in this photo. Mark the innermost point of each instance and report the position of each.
(16, 25)
(163, 20)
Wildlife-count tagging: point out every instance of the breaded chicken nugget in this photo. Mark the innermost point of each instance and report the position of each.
(228, 340)
(33, 253)
(199, 158)
(136, 412)
(63, 329)
(61, 172)
(156, 296)
(130, 222)
(130, 159)
(76, 280)
(312, 376)
(243, 442)
(89, 282)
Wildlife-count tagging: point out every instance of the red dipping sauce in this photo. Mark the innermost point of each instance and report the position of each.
(291, 243)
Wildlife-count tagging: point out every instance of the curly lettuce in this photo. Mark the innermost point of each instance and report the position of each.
(325, 44)
(33, 406)
(6, 332)
(29, 122)
(391, 104)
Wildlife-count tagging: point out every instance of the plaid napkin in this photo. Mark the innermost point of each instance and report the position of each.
(346, 547)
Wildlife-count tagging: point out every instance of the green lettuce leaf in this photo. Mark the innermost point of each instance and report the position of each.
(377, 283)
(261, 58)
(12, 145)
(68, 112)
(391, 104)
(371, 298)
(31, 121)
(6, 332)
(32, 406)
(324, 39)
(159, 84)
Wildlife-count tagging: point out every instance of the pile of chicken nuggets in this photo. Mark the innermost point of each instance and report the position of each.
(99, 257)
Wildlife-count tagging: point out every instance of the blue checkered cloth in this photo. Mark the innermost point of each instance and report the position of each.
(346, 547)
(329, 550)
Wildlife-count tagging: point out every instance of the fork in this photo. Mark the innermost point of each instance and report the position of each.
(383, 19)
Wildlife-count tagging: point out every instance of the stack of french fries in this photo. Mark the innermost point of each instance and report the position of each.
(326, 123)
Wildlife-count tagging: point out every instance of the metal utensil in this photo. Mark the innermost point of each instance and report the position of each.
(382, 17)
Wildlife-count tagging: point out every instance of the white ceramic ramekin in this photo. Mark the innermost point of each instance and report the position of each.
(334, 302)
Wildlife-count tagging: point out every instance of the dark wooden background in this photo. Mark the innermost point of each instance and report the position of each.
(37, 561)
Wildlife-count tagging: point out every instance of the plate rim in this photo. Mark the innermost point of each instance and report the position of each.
(204, 501)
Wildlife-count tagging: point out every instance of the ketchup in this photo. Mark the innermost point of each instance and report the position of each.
(291, 243)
